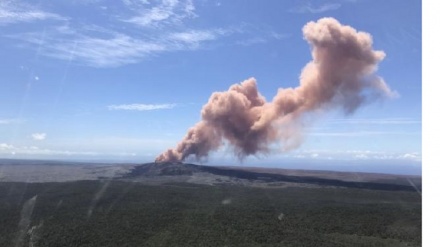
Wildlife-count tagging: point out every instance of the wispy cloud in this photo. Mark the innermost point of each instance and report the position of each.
(141, 107)
(259, 36)
(411, 156)
(112, 148)
(5, 146)
(193, 36)
(112, 49)
(261, 39)
(162, 12)
(38, 136)
(387, 121)
(11, 121)
(361, 133)
(309, 8)
(33, 150)
(193, 39)
(388, 156)
(100, 52)
(354, 155)
(14, 12)
(141, 30)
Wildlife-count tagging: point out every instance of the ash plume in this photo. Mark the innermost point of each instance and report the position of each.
(341, 75)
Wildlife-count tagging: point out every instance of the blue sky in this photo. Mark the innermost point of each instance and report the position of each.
(124, 80)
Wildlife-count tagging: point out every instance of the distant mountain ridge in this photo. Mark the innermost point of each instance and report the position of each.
(393, 183)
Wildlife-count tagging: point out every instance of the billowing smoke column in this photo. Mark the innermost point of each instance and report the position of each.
(341, 75)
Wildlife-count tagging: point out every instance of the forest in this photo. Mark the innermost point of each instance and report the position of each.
(121, 213)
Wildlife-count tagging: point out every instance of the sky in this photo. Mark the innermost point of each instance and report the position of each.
(124, 80)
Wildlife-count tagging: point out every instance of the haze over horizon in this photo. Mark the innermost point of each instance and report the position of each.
(89, 80)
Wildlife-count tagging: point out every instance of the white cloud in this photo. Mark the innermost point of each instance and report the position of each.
(162, 13)
(387, 156)
(159, 26)
(308, 8)
(13, 12)
(354, 155)
(33, 150)
(4, 146)
(11, 121)
(141, 107)
(8, 150)
(39, 136)
(262, 38)
(193, 39)
(193, 36)
(387, 121)
(153, 15)
(360, 133)
(100, 52)
(411, 156)
(100, 47)
(361, 156)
